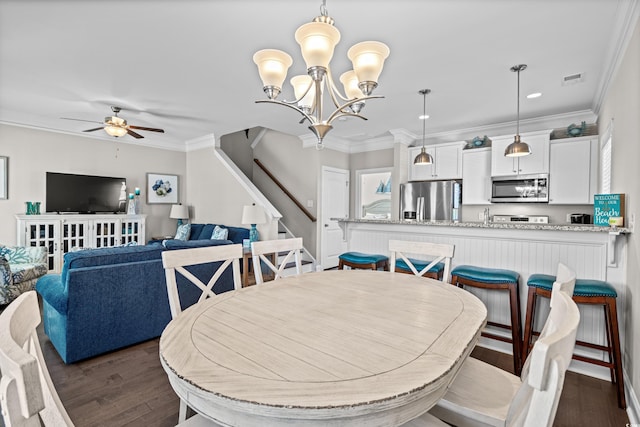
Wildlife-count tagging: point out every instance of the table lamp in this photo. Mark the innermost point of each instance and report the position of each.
(179, 212)
(253, 215)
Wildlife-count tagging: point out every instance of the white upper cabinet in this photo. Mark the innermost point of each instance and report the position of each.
(573, 170)
(476, 176)
(447, 162)
(535, 163)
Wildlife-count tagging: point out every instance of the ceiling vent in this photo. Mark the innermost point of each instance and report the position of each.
(572, 79)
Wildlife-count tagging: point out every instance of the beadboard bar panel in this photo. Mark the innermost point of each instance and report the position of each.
(525, 251)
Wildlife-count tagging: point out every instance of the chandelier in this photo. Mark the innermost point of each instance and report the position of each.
(317, 41)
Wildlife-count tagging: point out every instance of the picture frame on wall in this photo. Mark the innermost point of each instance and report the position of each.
(4, 178)
(162, 188)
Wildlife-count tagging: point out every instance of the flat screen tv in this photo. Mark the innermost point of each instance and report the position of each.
(70, 193)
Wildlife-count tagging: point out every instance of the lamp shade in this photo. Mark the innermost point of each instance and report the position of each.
(273, 66)
(317, 41)
(300, 84)
(115, 130)
(252, 214)
(179, 212)
(350, 82)
(517, 148)
(368, 59)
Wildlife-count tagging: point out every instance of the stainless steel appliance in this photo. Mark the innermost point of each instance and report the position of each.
(580, 218)
(521, 219)
(430, 200)
(520, 189)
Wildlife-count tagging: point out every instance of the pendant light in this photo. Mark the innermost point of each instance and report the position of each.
(518, 148)
(423, 158)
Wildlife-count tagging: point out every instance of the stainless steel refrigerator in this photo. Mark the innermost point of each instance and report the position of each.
(430, 200)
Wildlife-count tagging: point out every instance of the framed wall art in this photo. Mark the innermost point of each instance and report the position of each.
(162, 188)
(4, 177)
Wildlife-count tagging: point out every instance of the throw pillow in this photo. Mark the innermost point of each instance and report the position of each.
(219, 233)
(183, 232)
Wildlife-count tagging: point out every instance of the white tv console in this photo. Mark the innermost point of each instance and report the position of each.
(60, 233)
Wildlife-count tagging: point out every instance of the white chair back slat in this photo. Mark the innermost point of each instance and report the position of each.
(536, 401)
(176, 261)
(435, 251)
(260, 250)
(26, 390)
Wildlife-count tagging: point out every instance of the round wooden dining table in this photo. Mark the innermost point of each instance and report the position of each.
(339, 347)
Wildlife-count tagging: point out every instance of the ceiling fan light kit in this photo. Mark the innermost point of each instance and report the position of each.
(117, 126)
(317, 42)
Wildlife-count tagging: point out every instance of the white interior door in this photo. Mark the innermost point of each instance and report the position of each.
(335, 204)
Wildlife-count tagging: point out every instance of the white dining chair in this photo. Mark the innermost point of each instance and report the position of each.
(260, 250)
(482, 394)
(26, 390)
(176, 261)
(438, 266)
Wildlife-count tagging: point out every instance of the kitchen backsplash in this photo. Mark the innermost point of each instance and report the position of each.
(557, 213)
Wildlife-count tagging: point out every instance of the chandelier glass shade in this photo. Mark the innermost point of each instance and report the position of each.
(424, 158)
(317, 41)
(518, 148)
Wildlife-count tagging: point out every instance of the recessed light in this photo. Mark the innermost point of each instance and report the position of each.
(423, 116)
(534, 95)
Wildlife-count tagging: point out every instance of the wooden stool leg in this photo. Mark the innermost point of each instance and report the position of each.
(529, 322)
(607, 322)
(612, 320)
(516, 332)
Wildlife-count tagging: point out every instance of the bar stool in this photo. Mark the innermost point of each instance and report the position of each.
(494, 279)
(363, 261)
(435, 272)
(587, 291)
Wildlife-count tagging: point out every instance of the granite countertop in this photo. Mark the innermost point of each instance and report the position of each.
(493, 225)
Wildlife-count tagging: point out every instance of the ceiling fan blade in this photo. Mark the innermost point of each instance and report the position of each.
(80, 120)
(133, 134)
(145, 128)
(92, 130)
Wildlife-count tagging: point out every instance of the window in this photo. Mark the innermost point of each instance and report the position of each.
(605, 160)
(373, 193)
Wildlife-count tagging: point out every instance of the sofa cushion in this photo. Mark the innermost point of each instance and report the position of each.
(106, 256)
(184, 231)
(220, 233)
(172, 244)
(238, 234)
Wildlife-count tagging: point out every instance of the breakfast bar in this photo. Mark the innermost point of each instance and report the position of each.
(592, 252)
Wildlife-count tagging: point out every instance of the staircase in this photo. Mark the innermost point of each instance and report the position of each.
(308, 262)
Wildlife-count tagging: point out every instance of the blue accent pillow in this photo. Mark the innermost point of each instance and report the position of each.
(183, 232)
(219, 233)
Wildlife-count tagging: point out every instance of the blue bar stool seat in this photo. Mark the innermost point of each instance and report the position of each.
(587, 291)
(363, 261)
(496, 279)
(434, 272)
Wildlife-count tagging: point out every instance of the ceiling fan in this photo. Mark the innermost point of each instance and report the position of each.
(117, 126)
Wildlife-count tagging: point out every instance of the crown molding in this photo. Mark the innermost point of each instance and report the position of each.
(146, 142)
(627, 17)
(205, 141)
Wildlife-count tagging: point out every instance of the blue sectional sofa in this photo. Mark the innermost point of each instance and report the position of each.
(109, 298)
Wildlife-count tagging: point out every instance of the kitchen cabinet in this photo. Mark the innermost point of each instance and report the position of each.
(447, 162)
(63, 233)
(476, 176)
(573, 170)
(535, 163)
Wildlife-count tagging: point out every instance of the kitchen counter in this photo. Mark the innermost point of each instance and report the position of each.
(493, 225)
(593, 252)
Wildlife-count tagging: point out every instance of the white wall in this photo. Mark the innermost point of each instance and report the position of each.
(33, 152)
(622, 104)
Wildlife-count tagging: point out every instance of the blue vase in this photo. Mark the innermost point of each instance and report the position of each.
(253, 233)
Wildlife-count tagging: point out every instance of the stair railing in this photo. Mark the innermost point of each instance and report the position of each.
(284, 189)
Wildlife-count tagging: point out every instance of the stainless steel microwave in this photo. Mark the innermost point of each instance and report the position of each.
(520, 189)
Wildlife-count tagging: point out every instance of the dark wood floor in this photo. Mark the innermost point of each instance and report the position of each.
(130, 388)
